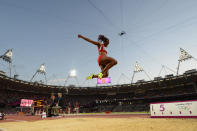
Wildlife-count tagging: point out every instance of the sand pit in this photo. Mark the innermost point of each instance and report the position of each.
(84, 123)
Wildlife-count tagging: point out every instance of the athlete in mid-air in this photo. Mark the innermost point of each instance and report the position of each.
(104, 61)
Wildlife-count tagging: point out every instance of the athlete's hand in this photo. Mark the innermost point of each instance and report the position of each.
(79, 36)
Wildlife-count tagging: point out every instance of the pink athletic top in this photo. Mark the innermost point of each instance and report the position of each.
(102, 49)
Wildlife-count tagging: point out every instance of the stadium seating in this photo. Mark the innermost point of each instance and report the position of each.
(134, 97)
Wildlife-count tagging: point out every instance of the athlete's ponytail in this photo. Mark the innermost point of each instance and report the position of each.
(102, 38)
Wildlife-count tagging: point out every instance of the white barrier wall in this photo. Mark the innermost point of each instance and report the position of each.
(182, 109)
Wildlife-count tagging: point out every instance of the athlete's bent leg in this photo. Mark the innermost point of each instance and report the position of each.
(106, 74)
(109, 65)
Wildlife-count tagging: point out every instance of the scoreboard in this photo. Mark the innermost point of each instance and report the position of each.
(26, 103)
(175, 109)
(106, 80)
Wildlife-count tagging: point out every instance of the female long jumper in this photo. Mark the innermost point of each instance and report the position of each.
(104, 62)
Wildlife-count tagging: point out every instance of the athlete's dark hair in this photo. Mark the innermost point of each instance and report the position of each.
(102, 38)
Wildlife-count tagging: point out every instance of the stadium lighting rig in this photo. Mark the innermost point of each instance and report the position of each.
(7, 57)
(137, 69)
(164, 68)
(42, 71)
(122, 76)
(72, 74)
(183, 57)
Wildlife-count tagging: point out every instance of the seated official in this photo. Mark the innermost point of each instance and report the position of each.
(32, 109)
(48, 106)
(61, 102)
(51, 109)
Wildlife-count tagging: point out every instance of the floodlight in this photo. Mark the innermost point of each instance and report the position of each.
(73, 73)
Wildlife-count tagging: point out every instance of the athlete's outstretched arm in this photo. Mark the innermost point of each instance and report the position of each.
(89, 40)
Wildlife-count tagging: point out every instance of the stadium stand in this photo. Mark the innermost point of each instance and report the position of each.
(118, 98)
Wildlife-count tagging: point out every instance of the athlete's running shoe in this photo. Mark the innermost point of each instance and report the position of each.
(100, 75)
(90, 77)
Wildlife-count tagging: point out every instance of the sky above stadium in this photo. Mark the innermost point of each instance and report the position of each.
(46, 32)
